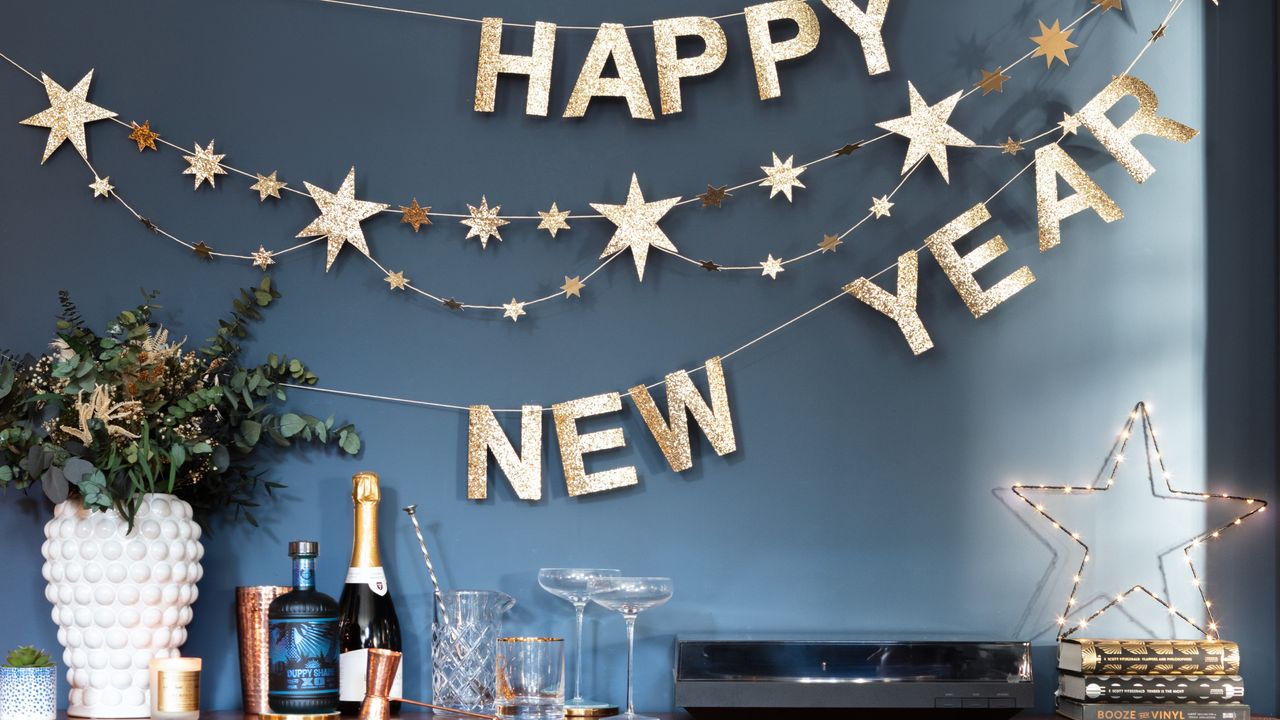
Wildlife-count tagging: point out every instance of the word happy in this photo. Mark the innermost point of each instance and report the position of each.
(612, 43)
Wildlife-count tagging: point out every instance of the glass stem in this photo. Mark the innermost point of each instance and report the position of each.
(581, 608)
(631, 651)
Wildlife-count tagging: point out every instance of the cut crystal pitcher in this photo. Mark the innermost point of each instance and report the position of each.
(463, 648)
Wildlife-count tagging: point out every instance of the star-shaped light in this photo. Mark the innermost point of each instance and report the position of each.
(101, 187)
(205, 165)
(1109, 5)
(771, 267)
(848, 148)
(927, 129)
(880, 206)
(268, 186)
(397, 280)
(415, 215)
(553, 220)
(572, 286)
(829, 243)
(69, 111)
(1011, 147)
(992, 81)
(637, 223)
(143, 135)
(340, 216)
(262, 258)
(202, 251)
(714, 196)
(1070, 124)
(513, 310)
(1052, 43)
(1124, 555)
(781, 177)
(484, 222)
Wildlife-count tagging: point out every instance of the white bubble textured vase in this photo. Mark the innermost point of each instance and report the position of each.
(120, 598)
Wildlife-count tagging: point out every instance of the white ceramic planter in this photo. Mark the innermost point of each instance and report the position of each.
(120, 598)
(28, 693)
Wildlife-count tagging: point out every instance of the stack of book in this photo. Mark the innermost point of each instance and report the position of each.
(1150, 680)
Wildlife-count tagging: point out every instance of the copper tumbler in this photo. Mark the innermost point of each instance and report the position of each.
(252, 604)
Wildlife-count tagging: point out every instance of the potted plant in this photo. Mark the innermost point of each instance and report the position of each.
(28, 686)
(138, 441)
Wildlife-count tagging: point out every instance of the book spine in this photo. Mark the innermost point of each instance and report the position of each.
(1160, 657)
(1164, 712)
(1166, 689)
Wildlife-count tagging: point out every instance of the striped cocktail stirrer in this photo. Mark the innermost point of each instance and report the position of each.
(412, 511)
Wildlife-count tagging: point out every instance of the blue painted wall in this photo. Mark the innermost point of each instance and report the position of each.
(868, 491)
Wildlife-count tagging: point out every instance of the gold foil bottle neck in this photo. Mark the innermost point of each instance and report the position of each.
(364, 488)
(366, 495)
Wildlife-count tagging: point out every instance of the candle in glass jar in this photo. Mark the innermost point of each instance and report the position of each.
(175, 688)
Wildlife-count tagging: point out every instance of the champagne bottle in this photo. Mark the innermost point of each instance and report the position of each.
(367, 615)
(303, 679)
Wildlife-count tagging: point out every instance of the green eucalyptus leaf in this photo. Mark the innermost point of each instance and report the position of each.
(55, 484)
(221, 459)
(350, 443)
(291, 424)
(251, 430)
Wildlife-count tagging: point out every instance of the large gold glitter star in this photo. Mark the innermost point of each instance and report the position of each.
(572, 286)
(396, 280)
(484, 222)
(415, 215)
(781, 177)
(1109, 5)
(340, 216)
(771, 267)
(268, 186)
(829, 243)
(513, 310)
(262, 258)
(1052, 43)
(992, 81)
(714, 196)
(143, 135)
(637, 223)
(553, 220)
(880, 206)
(927, 129)
(101, 186)
(69, 111)
(204, 165)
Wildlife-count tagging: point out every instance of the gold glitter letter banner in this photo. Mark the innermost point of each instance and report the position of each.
(485, 435)
(866, 25)
(900, 308)
(960, 269)
(611, 41)
(683, 400)
(537, 66)
(1051, 162)
(671, 67)
(573, 446)
(766, 53)
(1119, 140)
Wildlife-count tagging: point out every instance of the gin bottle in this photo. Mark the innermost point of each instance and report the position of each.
(304, 641)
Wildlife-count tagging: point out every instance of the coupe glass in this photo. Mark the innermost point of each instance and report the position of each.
(631, 596)
(572, 585)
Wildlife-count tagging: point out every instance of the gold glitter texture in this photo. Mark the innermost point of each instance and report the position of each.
(900, 308)
(523, 469)
(866, 25)
(144, 135)
(484, 222)
(765, 52)
(268, 186)
(340, 216)
(68, 112)
(574, 445)
(205, 165)
(781, 177)
(672, 67)
(611, 41)
(637, 223)
(961, 268)
(1053, 162)
(927, 129)
(101, 186)
(494, 62)
(1119, 140)
(683, 400)
(553, 220)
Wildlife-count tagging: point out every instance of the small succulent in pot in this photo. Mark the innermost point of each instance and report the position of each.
(28, 685)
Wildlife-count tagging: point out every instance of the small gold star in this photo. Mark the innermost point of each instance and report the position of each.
(709, 266)
(848, 149)
(1158, 32)
(484, 222)
(1109, 5)
(415, 215)
(67, 114)
(513, 310)
(452, 304)
(1052, 43)
(202, 251)
(143, 135)
(829, 243)
(771, 267)
(1070, 124)
(262, 258)
(101, 186)
(573, 286)
(553, 220)
(781, 177)
(397, 280)
(1011, 147)
(880, 206)
(268, 186)
(205, 165)
(715, 195)
(992, 81)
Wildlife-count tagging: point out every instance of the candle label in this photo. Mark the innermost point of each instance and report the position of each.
(177, 691)
(304, 656)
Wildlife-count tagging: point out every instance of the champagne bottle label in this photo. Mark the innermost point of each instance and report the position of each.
(374, 577)
(353, 667)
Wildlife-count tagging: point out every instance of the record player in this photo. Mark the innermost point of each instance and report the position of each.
(743, 677)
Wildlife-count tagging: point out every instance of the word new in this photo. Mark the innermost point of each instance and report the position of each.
(612, 43)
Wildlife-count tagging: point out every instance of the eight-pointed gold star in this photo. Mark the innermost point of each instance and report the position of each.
(771, 267)
(781, 177)
(101, 187)
(1070, 124)
(397, 280)
(829, 243)
(553, 220)
(262, 258)
(927, 129)
(484, 222)
(415, 215)
(68, 112)
(572, 286)
(880, 206)
(143, 135)
(204, 165)
(1011, 147)
(1052, 43)
(268, 186)
(340, 216)
(513, 310)
(637, 223)
(992, 81)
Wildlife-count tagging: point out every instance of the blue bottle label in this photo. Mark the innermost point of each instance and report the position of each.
(304, 656)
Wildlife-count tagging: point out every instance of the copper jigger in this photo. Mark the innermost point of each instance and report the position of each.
(252, 604)
(381, 672)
